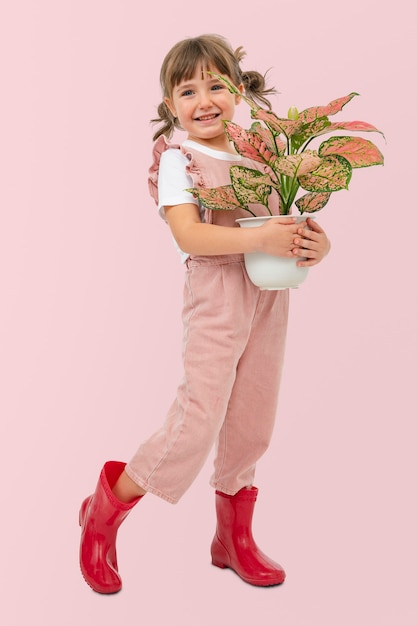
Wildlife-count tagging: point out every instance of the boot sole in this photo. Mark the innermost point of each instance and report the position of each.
(249, 581)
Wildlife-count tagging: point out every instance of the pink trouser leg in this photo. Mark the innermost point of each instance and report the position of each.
(249, 422)
(221, 310)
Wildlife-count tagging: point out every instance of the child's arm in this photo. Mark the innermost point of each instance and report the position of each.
(311, 244)
(193, 236)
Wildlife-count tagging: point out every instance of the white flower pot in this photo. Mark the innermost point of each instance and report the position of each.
(272, 272)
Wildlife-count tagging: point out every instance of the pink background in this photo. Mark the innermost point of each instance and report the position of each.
(90, 322)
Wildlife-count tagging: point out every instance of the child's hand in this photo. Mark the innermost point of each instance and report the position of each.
(278, 236)
(312, 244)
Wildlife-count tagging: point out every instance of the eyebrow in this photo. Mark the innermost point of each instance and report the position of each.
(182, 86)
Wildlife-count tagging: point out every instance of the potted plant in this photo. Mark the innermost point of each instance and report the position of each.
(289, 165)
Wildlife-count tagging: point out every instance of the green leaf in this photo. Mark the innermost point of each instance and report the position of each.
(217, 199)
(359, 152)
(251, 186)
(333, 173)
(312, 129)
(312, 202)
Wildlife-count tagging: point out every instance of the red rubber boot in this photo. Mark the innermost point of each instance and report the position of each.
(100, 516)
(233, 545)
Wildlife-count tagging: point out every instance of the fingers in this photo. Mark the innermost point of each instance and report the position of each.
(307, 248)
(290, 223)
(309, 234)
(310, 244)
(306, 244)
(314, 226)
(305, 252)
(308, 263)
(307, 257)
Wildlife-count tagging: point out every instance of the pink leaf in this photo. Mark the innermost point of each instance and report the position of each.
(359, 152)
(277, 124)
(355, 126)
(312, 113)
(272, 142)
(250, 144)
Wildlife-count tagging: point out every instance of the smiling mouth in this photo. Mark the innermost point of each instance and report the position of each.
(206, 118)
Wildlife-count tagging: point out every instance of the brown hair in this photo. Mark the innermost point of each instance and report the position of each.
(214, 52)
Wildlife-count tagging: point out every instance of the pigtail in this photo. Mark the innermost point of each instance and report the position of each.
(256, 89)
(254, 83)
(167, 119)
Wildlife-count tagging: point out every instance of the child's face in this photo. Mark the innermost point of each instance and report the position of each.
(201, 104)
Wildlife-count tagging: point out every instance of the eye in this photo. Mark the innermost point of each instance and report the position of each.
(217, 87)
(187, 92)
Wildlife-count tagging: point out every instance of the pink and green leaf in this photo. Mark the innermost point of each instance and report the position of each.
(249, 144)
(333, 173)
(277, 124)
(359, 152)
(250, 186)
(312, 113)
(217, 199)
(313, 201)
(298, 164)
(312, 129)
(351, 126)
(272, 142)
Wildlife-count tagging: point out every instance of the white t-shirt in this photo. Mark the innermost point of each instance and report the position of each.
(173, 179)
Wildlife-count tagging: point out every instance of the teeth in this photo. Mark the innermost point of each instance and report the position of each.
(207, 117)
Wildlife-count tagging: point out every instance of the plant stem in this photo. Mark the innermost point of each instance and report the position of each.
(285, 188)
(306, 143)
(293, 190)
(251, 212)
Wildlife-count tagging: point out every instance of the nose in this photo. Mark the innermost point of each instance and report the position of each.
(205, 99)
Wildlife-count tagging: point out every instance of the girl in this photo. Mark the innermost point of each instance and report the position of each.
(234, 334)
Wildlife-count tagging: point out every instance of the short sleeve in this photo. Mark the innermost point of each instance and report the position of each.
(173, 180)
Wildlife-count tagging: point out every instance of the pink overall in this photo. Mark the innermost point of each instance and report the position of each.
(233, 348)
